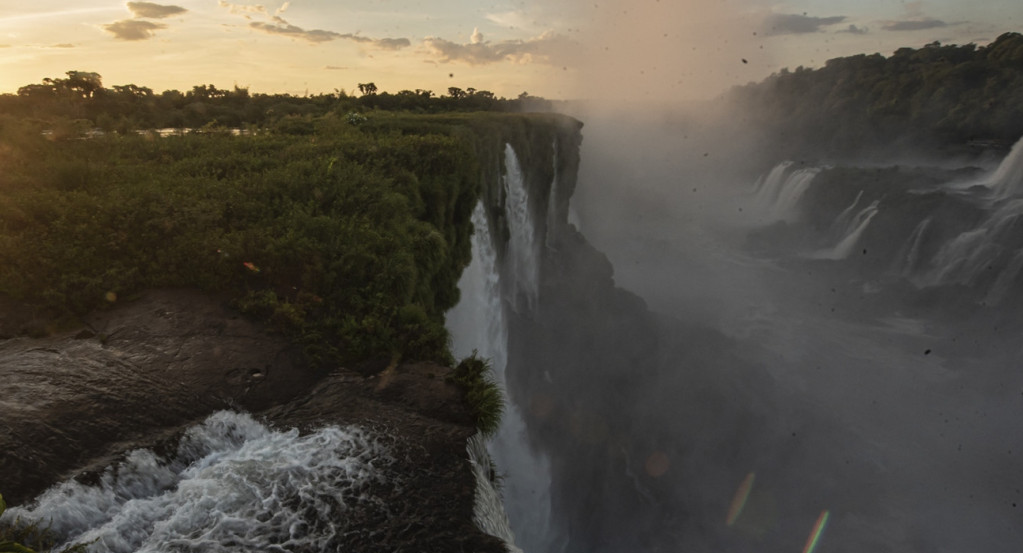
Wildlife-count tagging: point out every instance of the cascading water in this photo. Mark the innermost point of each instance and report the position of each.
(1007, 181)
(968, 256)
(779, 192)
(233, 485)
(909, 261)
(854, 230)
(522, 258)
(479, 323)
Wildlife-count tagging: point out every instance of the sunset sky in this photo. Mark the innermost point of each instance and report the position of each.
(558, 49)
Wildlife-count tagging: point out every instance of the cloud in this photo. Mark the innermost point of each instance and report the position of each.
(914, 24)
(548, 48)
(63, 45)
(794, 24)
(154, 11)
(853, 29)
(279, 26)
(245, 9)
(914, 20)
(133, 29)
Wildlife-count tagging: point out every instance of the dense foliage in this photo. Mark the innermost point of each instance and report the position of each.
(348, 235)
(936, 95)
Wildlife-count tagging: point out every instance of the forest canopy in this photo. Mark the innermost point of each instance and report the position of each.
(937, 95)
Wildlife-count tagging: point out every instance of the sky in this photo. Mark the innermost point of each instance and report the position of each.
(565, 49)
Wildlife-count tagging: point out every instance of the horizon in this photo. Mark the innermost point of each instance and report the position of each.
(572, 50)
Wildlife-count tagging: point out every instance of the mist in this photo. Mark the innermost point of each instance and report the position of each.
(776, 383)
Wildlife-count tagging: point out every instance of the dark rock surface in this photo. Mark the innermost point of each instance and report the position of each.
(139, 373)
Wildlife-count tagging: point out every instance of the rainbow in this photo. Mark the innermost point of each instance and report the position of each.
(739, 500)
(815, 534)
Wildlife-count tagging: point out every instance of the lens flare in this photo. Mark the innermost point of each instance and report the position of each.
(739, 500)
(815, 535)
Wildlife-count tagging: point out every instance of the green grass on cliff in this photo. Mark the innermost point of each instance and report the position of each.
(350, 238)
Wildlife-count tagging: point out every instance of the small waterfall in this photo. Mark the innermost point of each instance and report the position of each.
(488, 512)
(851, 236)
(779, 192)
(233, 484)
(522, 258)
(1007, 181)
(966, 257)
(841, 223)
(908, 260)
(552, 202)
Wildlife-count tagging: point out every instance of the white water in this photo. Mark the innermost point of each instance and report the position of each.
(910, 260)
(552, 201)
(522, 258)
(779, 192)
(233, 485)
(1007, 181)
(966, 257)
(851, 236)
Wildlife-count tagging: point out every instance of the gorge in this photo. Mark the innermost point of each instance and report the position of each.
(700, 351)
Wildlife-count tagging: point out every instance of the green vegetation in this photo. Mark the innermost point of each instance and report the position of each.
(936, 95)
(482, 393)
(349, 238)
(80, 102)
(13, 537)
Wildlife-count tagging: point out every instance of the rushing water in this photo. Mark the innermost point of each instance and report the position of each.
(479, 323)
(232, 485)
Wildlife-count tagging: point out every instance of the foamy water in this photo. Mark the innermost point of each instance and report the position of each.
(233, 485)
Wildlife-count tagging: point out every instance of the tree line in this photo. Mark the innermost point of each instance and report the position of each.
(937, 95)
(80, 101)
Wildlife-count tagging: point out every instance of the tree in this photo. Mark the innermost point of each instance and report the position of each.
(367, 89)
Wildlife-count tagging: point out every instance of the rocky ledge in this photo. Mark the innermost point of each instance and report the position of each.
(135, 375)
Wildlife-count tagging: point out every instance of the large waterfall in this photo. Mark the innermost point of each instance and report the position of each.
(490, 286)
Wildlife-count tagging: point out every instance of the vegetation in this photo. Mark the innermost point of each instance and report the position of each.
(80, 101)
(348, 235)
(936, 95)
(475, 376)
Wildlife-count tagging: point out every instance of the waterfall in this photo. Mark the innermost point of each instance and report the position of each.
(552, 201)
(779, 192)
(233, 484)
(479, 322)
(909, 259)
(488, 511)
(966, 257)
(851, 237)
(522, 258)
(1007, 181)
(842, 221)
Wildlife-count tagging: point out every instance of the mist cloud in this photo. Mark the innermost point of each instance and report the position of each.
(548, 48)
(794, 24)
(133, 29)
(154, 11)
